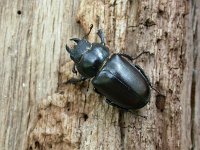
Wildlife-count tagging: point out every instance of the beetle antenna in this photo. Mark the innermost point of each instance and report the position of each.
(91, 26)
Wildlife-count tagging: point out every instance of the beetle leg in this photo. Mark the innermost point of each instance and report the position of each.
(91, 26)
(131, 58)
(75, 80)
(137, 114)
(74, 69)
(101, 35)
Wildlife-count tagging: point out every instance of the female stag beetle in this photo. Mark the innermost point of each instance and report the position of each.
(124, 84)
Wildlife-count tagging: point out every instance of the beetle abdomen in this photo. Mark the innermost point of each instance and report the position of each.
(122, 83)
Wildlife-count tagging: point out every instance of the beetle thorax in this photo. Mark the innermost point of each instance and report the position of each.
(88, 58)
(92, 60)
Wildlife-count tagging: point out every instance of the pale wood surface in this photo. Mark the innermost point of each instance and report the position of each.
(38, 111)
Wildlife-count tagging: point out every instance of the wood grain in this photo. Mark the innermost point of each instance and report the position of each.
(38, 111)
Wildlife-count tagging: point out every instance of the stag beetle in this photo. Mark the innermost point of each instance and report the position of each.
(124, 84)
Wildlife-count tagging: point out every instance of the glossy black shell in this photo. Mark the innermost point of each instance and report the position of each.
(122, 83)
(91, 61)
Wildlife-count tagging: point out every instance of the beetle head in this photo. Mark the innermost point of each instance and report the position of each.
(79, 49)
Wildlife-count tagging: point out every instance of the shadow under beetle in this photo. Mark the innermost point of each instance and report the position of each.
(124, 84)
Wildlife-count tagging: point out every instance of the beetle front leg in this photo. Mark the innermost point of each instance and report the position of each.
(91, 26)
(101, 35)
(75, 80)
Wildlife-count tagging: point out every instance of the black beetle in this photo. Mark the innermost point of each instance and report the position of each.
(124, 84)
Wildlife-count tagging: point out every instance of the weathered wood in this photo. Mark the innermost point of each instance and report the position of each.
(30, 51)
(195, 103)
(38, 111)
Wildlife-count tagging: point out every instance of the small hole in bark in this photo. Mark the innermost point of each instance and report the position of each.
(61, 92)
(157, 83)
(85, 116)
(78, 21)
(37, 144)
(170, 91)
(158, 40)
(19, 12)
(166, 34)
(68, 106)
(39, 116)
(160, 102)
(160, 12)
(30, 148)
(50, 146)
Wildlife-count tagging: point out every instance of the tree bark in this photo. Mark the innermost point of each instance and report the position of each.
(39, 111)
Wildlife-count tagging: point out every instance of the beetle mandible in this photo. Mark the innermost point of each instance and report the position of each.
(123, 83)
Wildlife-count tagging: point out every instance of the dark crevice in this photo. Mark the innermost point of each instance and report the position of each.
(193, 86)
(85, 116)
(114, 23)
(192, 104)
(121, 125)
(19, 12)
(37, 144)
